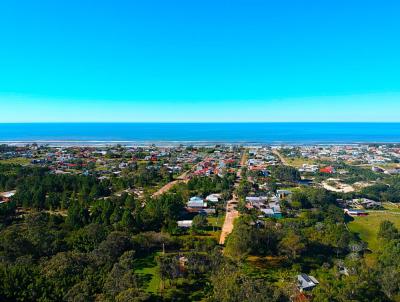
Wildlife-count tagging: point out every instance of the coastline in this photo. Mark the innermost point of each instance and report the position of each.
(251, 134)
(185, 143)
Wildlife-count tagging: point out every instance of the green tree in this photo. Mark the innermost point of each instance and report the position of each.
(200, 222)
(292, 245)
(78, 216)
(388, 231)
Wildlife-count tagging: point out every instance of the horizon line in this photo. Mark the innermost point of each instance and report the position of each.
(202, 122)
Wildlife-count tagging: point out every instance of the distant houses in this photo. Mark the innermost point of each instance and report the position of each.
(269, 206)
(360, 202)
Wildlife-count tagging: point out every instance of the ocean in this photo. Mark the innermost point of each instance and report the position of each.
(199, 133)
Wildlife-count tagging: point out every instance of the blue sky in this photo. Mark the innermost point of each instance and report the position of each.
(203, 60)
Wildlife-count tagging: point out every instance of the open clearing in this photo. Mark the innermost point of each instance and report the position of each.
(298, 162)
(148, 272)
(335, 185)
(16, 161)
(368, 227)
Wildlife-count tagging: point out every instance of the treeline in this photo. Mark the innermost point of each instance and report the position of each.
(49, 191)
(40, 189)
(206, 185)
(144, 175)
(92, 254)
(389, 191)
(11, 175)
(363, 282)
(7, 148)
(310, 197)
(127, 213)
(43, 261)
(285, 173)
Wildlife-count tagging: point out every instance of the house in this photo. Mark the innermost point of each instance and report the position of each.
(258, 202)
(268, 206)
(353, 212)
(268, 212)
(196, 202)
(369, 203)
(256, 199)
(309, 168)
(272, 213)
(213, 197)
(185, 223)
(207, 211)
(6, 196)
(377, 169)
(306, 282)
(273, 210)
(327, 170)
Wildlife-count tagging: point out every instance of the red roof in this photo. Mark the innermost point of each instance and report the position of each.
(329, 170)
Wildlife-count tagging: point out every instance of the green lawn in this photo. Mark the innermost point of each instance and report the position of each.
(147, 271)
(367, 227)
(217, 223)
(298, 161)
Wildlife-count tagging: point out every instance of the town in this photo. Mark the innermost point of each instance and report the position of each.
(297, 223)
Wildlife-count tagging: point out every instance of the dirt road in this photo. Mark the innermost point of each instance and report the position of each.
(281, 158)
(243, 159)
(182, 178)
(231, 212)
(230, 216)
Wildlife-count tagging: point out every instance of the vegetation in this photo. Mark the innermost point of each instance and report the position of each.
(79, 237)
(368, 227)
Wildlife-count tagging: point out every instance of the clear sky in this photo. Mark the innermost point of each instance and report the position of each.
(208, 60)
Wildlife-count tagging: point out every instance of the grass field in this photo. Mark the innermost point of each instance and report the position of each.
(147, 270)
(393, 207)
(367, 227)
(298, 161)
(390, 165)
(217, 223)
(16, 161)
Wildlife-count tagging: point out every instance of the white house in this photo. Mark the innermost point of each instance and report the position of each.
(196, 202)
(185, 223)
(213, 197)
